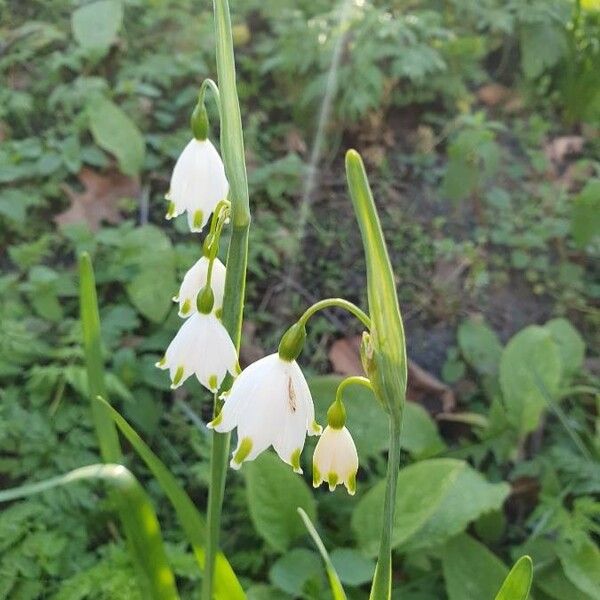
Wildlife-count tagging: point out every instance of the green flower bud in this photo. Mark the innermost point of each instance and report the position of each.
(292, 342)
(206, 300)
(199, 120)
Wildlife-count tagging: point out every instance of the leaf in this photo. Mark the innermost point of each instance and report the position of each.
(146, 537)
(274, 493)
(553, 582)
(353, 568)
(570, 345)
(95, 25)
(227, 586)
(99, 202)
(150, 255)
(517, 584)
(542, 46)
(435, 500)
(420, 436)
(581, 562)
(292, 571)
(480, 346)
(471, 570)
(585, 214)
(530, 370)
(337, 591)
(116, 133)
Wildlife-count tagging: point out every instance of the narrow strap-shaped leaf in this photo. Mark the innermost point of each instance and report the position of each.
(146, 534)
(337, 591)
(227, 586)
(517, 584)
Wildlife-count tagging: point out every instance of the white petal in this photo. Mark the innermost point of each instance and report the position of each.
(335, 459)
(218, 354)
(198, 182)
(304, 395)
(195, 279)
(179, 357)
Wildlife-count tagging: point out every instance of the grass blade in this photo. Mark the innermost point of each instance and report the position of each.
(517, 584)
(227, 586)
(337, 590)
(159, 582)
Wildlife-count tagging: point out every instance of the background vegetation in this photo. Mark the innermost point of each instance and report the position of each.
(479, 121)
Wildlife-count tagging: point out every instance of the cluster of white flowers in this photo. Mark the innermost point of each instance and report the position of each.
(269, 402)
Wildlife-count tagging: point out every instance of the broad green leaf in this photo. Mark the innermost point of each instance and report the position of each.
(96, 24)
(570, 345)
(480, 346)
(265, 592)
(292, 571)
(114, 131)
(542, 46)
(471, 571)
(274, 494)
(368, 421)
(151, 257)
(555, 584)
(585, 213)
(158, 582)
(435, 500)
(227, 586)
(530, 371)
(337, 591)
(517, 584)
(581, 563)
(352, 567)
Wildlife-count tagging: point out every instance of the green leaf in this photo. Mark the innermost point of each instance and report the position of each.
(471, 570)
(480, 346)
(116, 133)
(95, 25)
(581, 562)
(151, 258)
(274, 493)
(337, 591)
(435, 500)
(293, 570)
(146, 537)
(530, 370)
(517, 584)
(585, 213)
(570, 345)
(227, 586)
(352, 567)
(369, 424)
(542, 46)
(555, 584)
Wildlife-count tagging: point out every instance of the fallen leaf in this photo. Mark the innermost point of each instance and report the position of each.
(493, 94)
(99, 200)
(344, 356)
(558, 149)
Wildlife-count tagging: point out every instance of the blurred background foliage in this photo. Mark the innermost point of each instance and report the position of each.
(479, 124)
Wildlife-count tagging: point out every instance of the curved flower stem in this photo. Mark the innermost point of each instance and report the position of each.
(354, 380)
(209, 83)
(381, 588)
(232, 149)
(339, 303)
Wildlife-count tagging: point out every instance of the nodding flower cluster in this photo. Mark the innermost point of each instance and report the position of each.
(269, 402)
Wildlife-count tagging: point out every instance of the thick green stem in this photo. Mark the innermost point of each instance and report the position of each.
(381, 588)
(232, 148)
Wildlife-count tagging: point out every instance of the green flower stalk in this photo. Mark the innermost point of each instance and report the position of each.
(384, 352)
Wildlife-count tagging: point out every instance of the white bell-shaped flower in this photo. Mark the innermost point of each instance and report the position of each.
(194, 280)
(202, 347)
(335, 459)
(270, 404)
(198, 183)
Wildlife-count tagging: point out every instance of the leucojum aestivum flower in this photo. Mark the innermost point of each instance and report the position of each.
(269, 403)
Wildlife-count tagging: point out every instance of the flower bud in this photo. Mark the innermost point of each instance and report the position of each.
(292, 342)
(205, 300)
(199, 121)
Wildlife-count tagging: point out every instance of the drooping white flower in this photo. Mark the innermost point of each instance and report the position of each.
(194, 280)
(198, 183)
(202, 347)
(335, 459)
(270, 404)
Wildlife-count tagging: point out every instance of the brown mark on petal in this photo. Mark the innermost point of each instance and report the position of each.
(291, 395)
